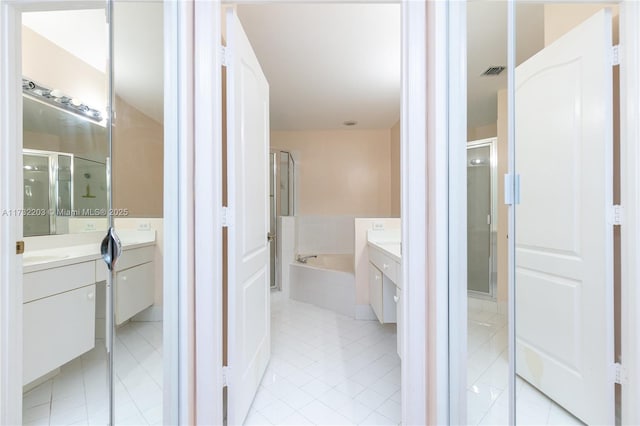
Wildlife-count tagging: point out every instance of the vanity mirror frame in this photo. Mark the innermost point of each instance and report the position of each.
(178, 378)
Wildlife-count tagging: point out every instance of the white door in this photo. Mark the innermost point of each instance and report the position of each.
(248, 200)
(564, 243)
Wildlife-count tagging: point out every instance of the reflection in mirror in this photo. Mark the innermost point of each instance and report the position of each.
(138, 194)
(76, 147)
(488, 396)
(65, 148)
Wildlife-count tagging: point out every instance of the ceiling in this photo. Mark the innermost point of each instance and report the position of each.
(487, 46)
(328, 63)
(325, 63)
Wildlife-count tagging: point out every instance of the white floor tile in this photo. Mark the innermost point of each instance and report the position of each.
(78, 394)
(276, 412)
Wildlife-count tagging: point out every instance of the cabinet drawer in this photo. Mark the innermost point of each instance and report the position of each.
(49, 282)
(133, 257)
(387, 265)
(56, 330)
(134, 291)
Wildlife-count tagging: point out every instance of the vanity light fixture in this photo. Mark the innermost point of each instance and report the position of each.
(60, 100)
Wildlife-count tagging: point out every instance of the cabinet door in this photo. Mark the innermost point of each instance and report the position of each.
(57, 329)
(134, 291)
(375, 291)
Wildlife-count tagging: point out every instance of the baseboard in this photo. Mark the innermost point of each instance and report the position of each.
(151, 314)
(365, 312)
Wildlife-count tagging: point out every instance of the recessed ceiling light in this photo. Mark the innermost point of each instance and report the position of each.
(350, 123)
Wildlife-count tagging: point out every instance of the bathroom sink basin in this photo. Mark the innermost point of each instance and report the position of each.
(30, 259)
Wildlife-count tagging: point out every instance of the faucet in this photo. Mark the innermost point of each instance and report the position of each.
(303, 259)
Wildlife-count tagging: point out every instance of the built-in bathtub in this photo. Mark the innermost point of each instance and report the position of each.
(326, 281)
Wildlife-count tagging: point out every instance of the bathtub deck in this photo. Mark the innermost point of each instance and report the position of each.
(327, 368)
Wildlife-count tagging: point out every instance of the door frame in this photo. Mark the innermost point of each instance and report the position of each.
(177, 172)
(630, 200)
(420, 146)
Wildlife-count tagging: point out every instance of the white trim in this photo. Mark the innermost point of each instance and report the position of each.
(172, 325)
(630, 200)
(10, 226)
(208, 215)
(511, 214)
(184, 162)
(413, 114)
(458, 145)
(437, 203)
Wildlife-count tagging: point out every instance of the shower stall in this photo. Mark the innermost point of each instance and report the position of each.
(481, 218)
(281, 200)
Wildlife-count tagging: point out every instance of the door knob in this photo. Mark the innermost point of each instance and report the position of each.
(270, 236)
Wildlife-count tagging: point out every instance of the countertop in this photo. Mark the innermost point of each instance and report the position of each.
(386, 241)
(37, 260)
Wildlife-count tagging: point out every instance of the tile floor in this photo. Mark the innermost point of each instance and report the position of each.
(78, 394)
(487, 393)
(327, 369)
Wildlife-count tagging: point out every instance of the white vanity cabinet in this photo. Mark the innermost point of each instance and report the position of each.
(59, 300)
(134, 281)
(58, 317)
(385, 285)
(383, 277)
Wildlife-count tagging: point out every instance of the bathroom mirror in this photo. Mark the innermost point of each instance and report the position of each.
(65, 173)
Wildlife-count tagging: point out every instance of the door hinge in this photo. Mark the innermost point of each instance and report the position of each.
(224, 56)
(616, 215)
(227, 217)
(19, 247)
(511, 189)
(615, 55)
(225, 376)
(619, 374)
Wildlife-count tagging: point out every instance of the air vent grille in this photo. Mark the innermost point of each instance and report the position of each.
(495, 70)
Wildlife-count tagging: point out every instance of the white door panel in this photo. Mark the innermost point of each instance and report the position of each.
(248, 199)
(564, 245)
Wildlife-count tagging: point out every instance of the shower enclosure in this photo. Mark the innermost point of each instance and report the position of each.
(281, 198)
(481, 218)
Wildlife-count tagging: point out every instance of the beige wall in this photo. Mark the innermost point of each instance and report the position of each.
(340, 172)
(560, 18)
(48, 64)
(482, 132)
(395, 170)
(138, 157)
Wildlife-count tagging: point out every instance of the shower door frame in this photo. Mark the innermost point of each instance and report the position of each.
(492, 143)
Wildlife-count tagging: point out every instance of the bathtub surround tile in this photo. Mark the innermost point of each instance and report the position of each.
(78, 394)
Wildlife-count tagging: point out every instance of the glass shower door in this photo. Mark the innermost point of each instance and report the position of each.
(479, 220)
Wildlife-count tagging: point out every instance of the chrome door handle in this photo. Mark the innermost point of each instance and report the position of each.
(111, 248)
(270, 236)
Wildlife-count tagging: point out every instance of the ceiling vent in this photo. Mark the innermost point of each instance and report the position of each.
(491, 71)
